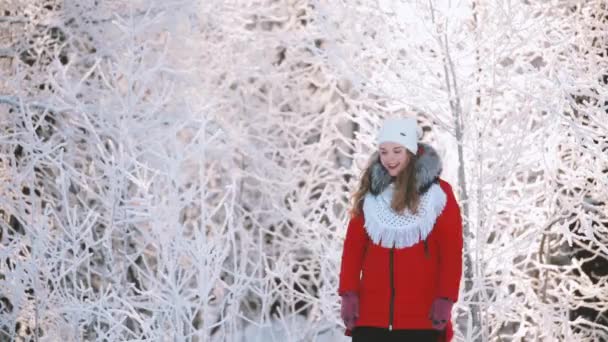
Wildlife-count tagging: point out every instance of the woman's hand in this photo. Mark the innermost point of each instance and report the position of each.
(350, 309)
(441, 313)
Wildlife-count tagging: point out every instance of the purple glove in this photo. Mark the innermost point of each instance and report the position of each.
(441, 313)
(350, 309)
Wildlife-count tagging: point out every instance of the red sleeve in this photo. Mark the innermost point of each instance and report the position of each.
(450, 246)
(352, 255)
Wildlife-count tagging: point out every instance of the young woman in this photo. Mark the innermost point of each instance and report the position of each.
(402, 257)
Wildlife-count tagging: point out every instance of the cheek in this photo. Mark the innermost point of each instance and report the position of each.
(403, 161)
(383, 160)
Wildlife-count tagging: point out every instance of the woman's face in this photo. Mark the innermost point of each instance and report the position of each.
(393, 157)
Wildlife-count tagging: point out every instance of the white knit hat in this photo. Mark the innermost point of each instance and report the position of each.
(403, 131)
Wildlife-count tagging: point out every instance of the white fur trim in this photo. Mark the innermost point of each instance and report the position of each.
(389, 229)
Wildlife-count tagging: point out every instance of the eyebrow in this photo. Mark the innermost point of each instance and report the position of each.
(394, 148)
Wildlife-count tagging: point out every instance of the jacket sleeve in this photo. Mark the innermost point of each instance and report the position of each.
(450, 246)
(353, 253)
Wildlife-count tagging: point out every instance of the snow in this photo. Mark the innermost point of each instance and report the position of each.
(181, 170)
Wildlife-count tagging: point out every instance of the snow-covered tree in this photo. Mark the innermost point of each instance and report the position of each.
(180, 170)
(497, 81)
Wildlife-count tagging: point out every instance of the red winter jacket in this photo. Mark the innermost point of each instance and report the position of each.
(372, 271)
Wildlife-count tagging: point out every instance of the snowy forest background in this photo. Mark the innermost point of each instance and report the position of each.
(180, 170)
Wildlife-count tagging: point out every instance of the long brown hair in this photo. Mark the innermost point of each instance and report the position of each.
(405, 195)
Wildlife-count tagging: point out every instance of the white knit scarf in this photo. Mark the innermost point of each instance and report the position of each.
(390, 229)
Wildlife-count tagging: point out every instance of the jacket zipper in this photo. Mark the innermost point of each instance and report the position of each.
(392, 303)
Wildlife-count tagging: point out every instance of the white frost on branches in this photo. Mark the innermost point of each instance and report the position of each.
(180, 170)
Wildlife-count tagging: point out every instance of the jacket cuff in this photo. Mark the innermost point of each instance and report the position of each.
(452, 299)
(347, 292)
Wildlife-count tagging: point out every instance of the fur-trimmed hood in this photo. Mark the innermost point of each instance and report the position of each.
(428, 169)
(390, 229)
